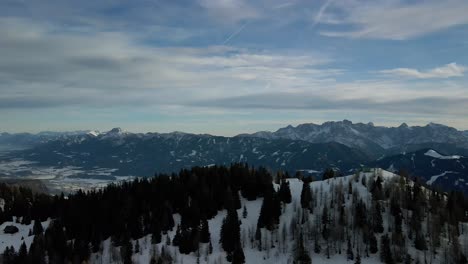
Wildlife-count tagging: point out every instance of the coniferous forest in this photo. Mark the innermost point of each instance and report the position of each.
(368, 217)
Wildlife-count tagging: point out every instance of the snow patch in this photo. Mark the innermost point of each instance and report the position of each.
(435, 177)
(435, 154)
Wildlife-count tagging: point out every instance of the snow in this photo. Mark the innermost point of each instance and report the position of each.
(248, 225)
(281, 253)
(435, 177)
(94, 133)
(435, 154)
(17, 239)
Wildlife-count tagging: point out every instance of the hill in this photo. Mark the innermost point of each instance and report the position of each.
(375, 216)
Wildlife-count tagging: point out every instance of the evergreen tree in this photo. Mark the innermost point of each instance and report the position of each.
(22, 253)
(306, 196)
(377, 221)
(244, 212)
(373, 248)
(238, 255)
(301, 256)
(385, 251)
(230, 232)
(204, 232)
(9, 255)
(37, 227)
(349, 251)
(126, 251)
(285, 192)
(156, 235)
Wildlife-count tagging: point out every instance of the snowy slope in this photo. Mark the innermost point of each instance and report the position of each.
(282, 251)
(17, 239)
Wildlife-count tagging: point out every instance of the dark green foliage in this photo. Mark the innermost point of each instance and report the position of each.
(238, 255)
(377, 222)
(306, 196)
(385, 250)
(156, 235)
(9, 255)
(270, 210)
(301, 256)
(126, 251)
(420, 242)
(230, 232)
(349, 251)
(285, 192)
(37, 227)
(328, 173)
(205, 235)
(373, 248)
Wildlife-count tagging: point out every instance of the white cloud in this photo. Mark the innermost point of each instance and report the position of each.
(395, 19)
(446, 71)
(45, 67)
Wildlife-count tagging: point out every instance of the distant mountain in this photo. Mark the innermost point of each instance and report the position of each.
(376, 140)
(448, 172)
(140, 154)
(27, 140)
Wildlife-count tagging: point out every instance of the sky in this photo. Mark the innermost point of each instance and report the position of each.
(230, 66)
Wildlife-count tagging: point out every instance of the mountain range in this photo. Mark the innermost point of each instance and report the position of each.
(376, 140)
(310, 148)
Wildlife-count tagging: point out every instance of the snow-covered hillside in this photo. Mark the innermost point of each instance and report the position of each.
(337, 198)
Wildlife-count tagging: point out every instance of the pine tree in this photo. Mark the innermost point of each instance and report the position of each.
(244, 212)
(301, 256)
(285, 192)
(317, 247)
(358, 259)
(204, 232)
(306, 196)
(22, 253)
(349, 251)
(377, 221)
(385, 251)
(230, 232)
(37, 228)
(126, 251)
(238, 255)
(156, 235)
(373, 244)
(137, 247)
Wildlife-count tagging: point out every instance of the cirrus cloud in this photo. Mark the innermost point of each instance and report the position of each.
(446, 71)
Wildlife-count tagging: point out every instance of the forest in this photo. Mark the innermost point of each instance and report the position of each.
(369, 215)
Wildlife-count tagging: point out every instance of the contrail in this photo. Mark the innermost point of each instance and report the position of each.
(235, 33)
(322, 10)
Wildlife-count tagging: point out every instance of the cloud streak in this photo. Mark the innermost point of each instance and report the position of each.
(447, 71)
(397, 20)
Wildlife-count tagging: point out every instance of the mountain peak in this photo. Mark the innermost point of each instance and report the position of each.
(403, 125)
(347, 122)
(115, 130)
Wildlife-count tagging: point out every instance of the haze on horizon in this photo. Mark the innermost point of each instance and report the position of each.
(231, 66)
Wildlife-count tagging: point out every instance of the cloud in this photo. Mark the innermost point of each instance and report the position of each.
(230, 11)
(396, 20)
(446, 71)
(45, 67)
(423, 106)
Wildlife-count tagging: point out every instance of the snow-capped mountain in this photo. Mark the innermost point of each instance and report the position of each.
(447, 172)
(144, 154)
(376, 140)
(27, 140)
(308, 147)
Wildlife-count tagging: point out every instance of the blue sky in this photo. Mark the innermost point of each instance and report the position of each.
(231, 66)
